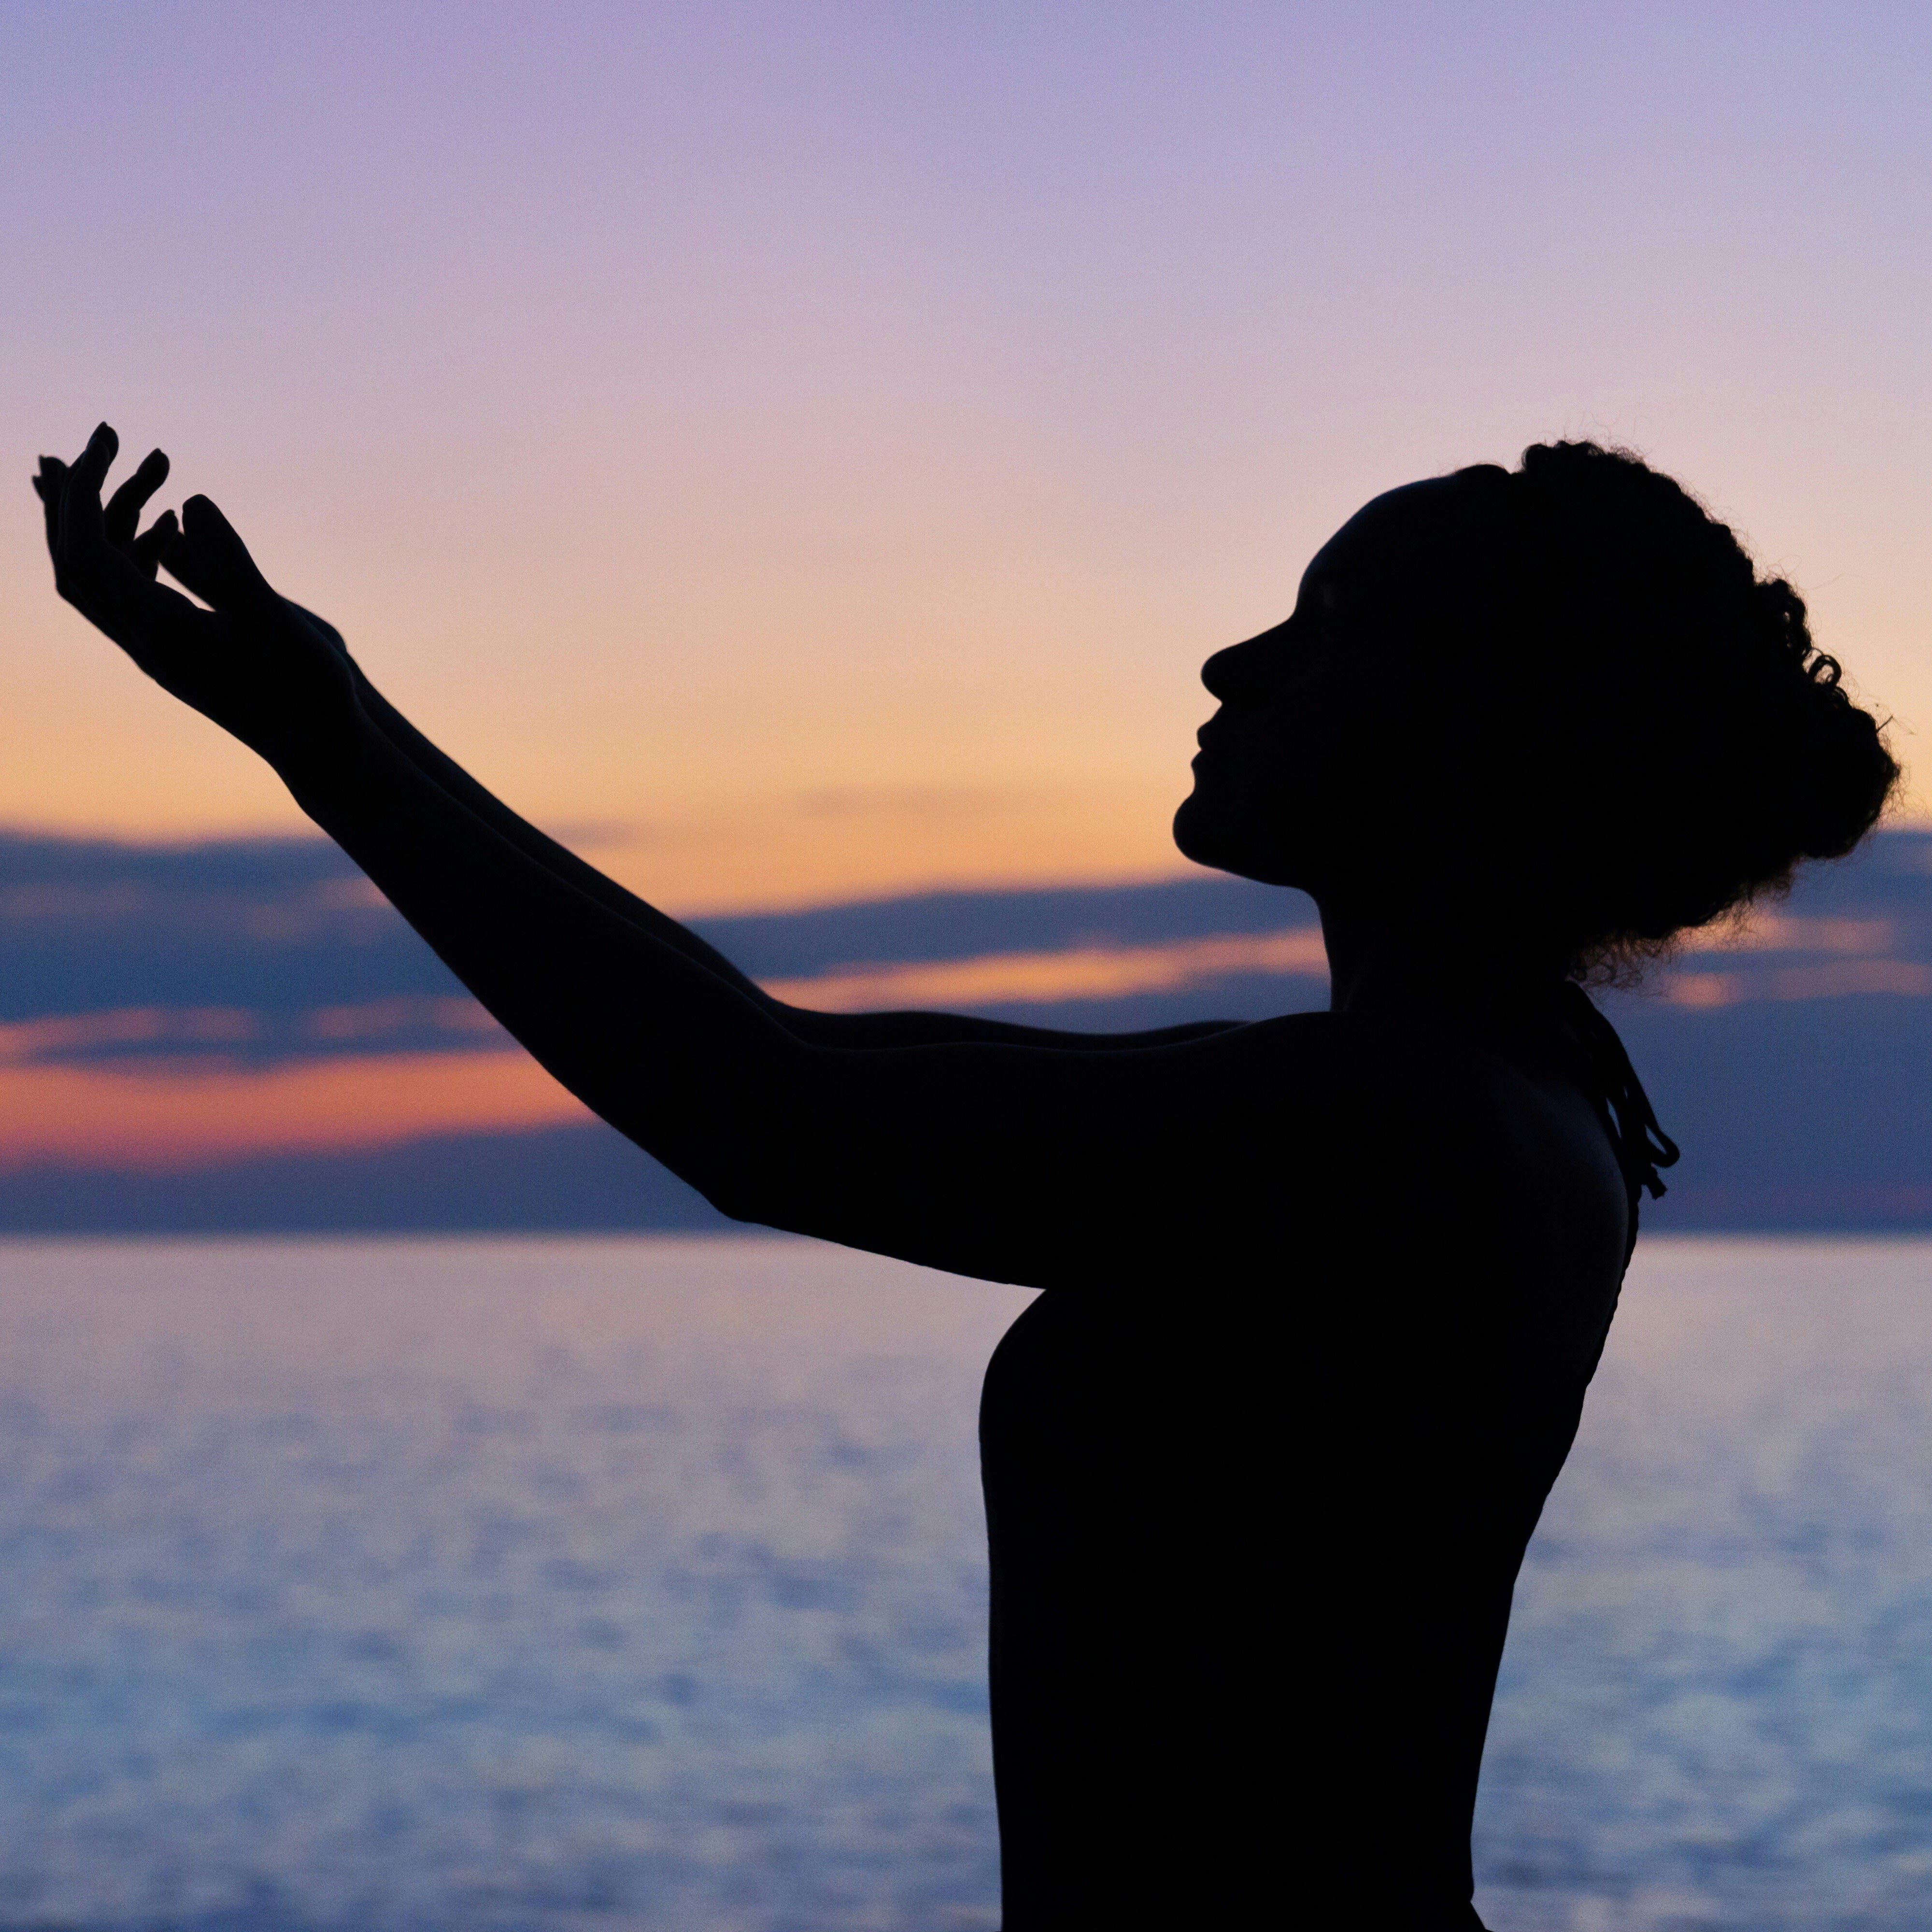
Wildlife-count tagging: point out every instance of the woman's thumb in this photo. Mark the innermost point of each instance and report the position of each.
(214, 562)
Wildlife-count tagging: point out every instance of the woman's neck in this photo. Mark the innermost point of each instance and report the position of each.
(1375, 964)
(1368, 966)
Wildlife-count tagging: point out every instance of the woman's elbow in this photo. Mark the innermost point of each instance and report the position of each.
(741, 1190)
(740, 1204)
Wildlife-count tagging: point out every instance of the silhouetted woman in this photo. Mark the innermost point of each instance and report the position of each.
(1324, 1292)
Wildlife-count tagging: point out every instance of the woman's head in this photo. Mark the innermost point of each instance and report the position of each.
(1554, 708)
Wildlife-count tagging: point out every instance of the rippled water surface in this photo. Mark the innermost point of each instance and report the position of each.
(1716, 1707)
(440, 1585)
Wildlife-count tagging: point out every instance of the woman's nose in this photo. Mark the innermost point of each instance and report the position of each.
(1239, 672)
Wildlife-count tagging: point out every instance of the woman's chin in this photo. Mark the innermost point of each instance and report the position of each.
(1203, 836)
(1193, 831)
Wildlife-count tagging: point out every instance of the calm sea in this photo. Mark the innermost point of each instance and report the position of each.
(422, 1587)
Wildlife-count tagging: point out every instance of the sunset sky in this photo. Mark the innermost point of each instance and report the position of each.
(801, 450)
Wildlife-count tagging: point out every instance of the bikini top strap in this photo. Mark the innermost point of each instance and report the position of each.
(1642, 1146)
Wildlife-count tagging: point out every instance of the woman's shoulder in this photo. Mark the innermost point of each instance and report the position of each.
(1416, 1059)
(1505, 1107)
(1460, 1167)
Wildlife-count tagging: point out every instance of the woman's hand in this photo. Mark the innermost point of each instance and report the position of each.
(262, 668)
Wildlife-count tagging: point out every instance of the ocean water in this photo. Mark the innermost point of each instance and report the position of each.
(423, 1586)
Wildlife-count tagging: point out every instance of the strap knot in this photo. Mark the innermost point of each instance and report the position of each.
(1642, 1146)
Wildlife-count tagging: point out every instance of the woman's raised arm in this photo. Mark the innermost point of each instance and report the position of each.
(844, 1030)
(1021, 1163)
(1019, 1160)
(208, 557)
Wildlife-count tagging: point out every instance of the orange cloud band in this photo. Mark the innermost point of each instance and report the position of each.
(1838, 980)
(158, 1116)
(123, 1117)
(1084, 973)
(26, 1041)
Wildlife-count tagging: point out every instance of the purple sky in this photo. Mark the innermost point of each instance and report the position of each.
(801, 449)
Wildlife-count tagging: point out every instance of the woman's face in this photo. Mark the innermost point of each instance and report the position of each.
(1266, 751)
(1293, 755)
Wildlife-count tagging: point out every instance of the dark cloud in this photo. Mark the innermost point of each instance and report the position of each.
(1796, 1108)
(286, 931)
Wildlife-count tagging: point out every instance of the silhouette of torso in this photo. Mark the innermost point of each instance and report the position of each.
(1255, 1513)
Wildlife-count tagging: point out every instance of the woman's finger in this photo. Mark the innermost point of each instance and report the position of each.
(217, 567)
(81, 524)
(50, 482)
(91, 467)
(180, 559)
(103, 583)
(113, 591)
(152, 546)
(125, 505)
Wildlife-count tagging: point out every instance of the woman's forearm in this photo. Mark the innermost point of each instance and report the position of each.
(842, 1030)
(443, 771)
(669, 1052)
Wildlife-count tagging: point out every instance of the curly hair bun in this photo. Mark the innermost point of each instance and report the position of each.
(1669, 702)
